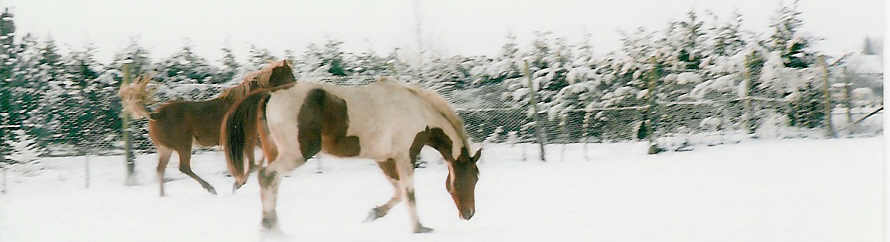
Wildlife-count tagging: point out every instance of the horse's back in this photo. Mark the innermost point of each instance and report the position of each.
(381, 114)
(176, 123)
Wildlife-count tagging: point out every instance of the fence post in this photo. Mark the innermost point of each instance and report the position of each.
(848, 98)
(3, 161)
(86, 168)
(746, 97)
(827, 95)
(650, 111)
(129, 159)
(533, 101)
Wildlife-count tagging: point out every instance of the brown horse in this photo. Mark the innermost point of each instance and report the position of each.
(175, 125)
(384, 121)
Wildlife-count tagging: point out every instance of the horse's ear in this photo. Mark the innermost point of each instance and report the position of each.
(144, 79)
(477, 155)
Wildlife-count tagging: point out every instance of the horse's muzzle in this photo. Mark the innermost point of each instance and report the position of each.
(467, 214)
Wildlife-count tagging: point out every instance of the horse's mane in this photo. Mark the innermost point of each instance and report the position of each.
(255, 80)
(442, 106)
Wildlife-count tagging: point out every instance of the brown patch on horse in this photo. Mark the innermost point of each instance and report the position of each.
(434, 137)
(410, 196)
(322, 122)
(389, 169)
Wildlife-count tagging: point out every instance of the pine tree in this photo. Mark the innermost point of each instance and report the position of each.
(257, 58)
(61, 100)
(135, 56)
(95, 119)
(186, 67)
(7, 60)
(230, 67)
(787, 39)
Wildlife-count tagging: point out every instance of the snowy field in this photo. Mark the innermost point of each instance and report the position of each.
(779, 190)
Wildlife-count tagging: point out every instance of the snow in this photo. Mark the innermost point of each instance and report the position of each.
(866, 64)
(766, 190)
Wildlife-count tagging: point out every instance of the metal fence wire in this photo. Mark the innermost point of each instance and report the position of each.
(88, 126)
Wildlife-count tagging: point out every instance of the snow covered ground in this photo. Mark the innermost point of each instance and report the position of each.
(779, 190)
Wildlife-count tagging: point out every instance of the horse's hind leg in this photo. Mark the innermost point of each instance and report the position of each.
(389, 169)
(163, 157)
(185, 167)
(406, 183)
(269, 178)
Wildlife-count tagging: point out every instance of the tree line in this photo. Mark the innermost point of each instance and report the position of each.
(50, 98)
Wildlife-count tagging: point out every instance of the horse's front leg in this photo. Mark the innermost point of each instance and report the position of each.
(406, 182)
(389, 169)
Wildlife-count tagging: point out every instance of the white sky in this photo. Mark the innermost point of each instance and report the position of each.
(467, 27)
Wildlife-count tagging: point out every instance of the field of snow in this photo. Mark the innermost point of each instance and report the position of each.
(774, 190)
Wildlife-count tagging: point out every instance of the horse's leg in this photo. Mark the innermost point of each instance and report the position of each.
(163, 157)
(389, 169)
(406, 182)
(269, 178)
(185, 167)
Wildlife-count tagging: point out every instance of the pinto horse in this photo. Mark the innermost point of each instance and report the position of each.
(385, 121)
(176, 125)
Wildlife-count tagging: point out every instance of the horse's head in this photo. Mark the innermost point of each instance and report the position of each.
(461, 183)
(136, 95)
(281, 74)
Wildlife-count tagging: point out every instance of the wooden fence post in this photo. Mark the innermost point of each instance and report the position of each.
(651, 110)
(827, 98)
(533, 101)
(129, 159)
(3, 189)
(746, 97)
(848, 97)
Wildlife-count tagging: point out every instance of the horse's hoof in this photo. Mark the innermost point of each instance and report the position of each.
(420, 229)
(270, 223)
(374, 214)
(235, 187)
(211, 190)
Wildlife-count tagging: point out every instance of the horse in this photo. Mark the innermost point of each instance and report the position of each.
(384, 121)
(177, 125)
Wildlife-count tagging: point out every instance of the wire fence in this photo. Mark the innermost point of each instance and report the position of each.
(667, 124)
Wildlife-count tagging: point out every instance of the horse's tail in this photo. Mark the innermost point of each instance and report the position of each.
(135, 96)
(239, 131)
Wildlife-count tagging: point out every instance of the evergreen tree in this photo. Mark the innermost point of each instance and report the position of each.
(787, 39)
(61, 99)
(185, 67)
(137, 58)
(257, 58)
(230, 67)
(685, 38)
(504, 66)
(95, 121)
(7, 60)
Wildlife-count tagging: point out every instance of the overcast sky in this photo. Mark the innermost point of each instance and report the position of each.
(467, 27)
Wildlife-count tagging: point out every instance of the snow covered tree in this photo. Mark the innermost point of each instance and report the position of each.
(685, 38)
(96, 119)
(257, 58)
(787, 39)
(62, 98)
(230, 67)
(185, 67)
(135, 55)
(24, 149)
(506, 64)
(7, 60)
(325, 62)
